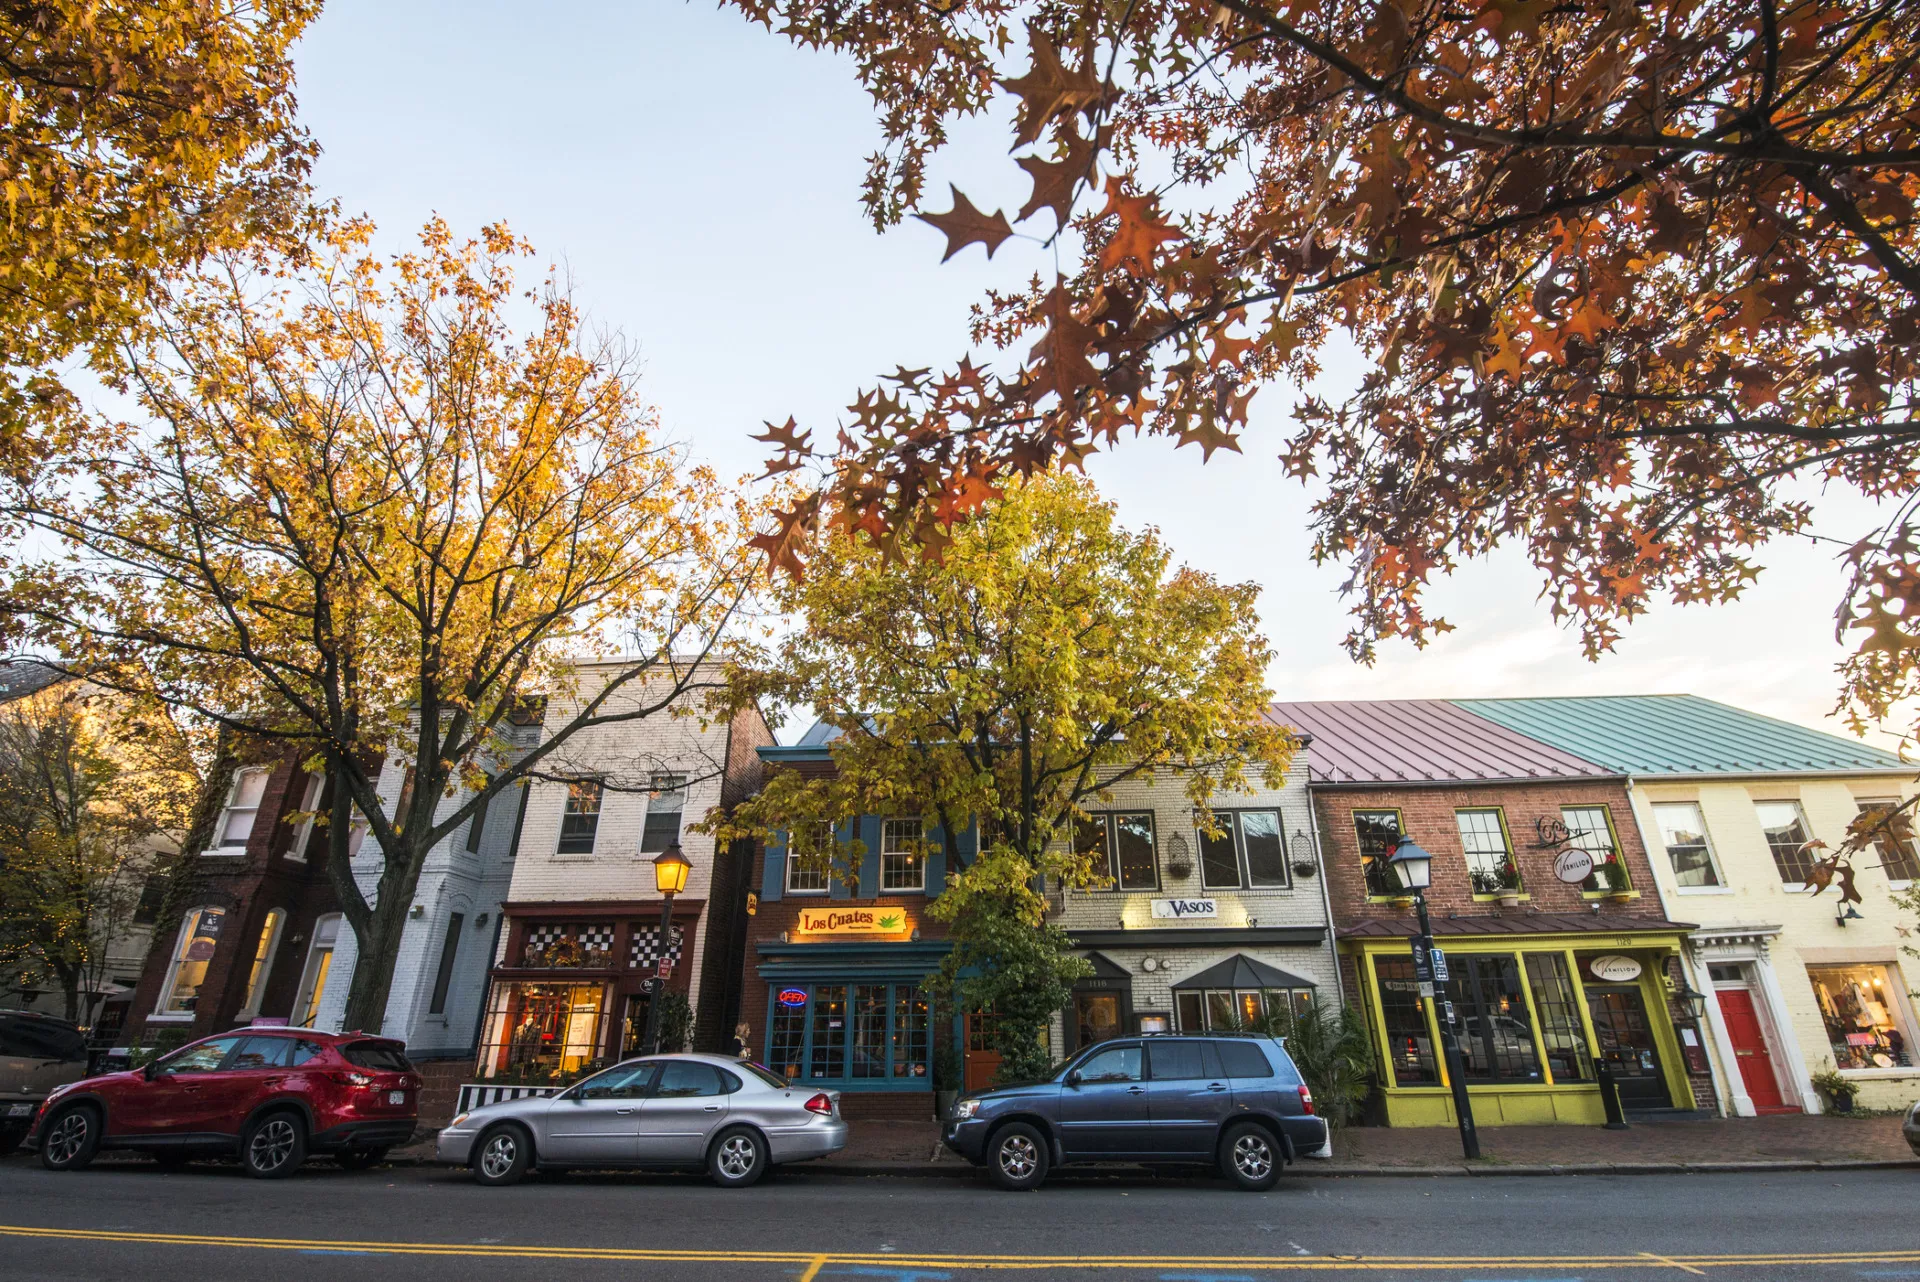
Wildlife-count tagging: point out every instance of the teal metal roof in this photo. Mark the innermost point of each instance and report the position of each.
(1679, 734)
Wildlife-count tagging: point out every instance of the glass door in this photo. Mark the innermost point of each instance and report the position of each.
(1626, 1044)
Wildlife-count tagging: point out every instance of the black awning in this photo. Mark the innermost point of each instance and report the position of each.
(1242, 971)
(1106, 968)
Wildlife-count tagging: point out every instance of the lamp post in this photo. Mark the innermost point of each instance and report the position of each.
(1412, 867)
(670, 869)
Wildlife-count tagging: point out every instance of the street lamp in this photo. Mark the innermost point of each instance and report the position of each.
(1412, 868)
(1695, 1001)
(670, 869)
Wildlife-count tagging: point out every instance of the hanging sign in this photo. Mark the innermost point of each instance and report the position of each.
(1614, 969)
(1573, 865)
(1176, 908)
(793, 997)
(852, 921)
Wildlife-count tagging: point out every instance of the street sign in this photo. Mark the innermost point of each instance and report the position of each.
(665, 969)
(1422, 961)
(1440, 966)
(1573, 865)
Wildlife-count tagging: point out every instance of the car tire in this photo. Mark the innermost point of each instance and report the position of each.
(1017, 1156)
(71, 1138)
(274, 1146)
(1251, 1156)
(359, 1159)
(501, 1156)
(738, 1157)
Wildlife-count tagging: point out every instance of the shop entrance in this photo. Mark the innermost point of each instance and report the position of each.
(1096, 1017)
(982, 1061)
(1626, 1044)
(1742, 1019)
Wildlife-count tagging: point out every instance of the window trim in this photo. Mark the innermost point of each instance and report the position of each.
(189, 921)
(1718, 886)
(599, 787)
(1806, 826)
(1105, 818)
(789, 862)
(260, 969)
(1506, 838)
(1359, 845)
(846, 1080)
(1613, 836)
(1237, 835)
(660, 784)
(885, 889)
(1860, 804)
(220, 847)
(303, 831)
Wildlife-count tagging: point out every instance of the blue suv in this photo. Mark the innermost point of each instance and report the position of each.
(1234, 1101)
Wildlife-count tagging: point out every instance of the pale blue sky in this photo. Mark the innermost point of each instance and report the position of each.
(699, 178)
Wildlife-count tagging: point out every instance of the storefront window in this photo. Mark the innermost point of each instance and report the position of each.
(1553, 998)
(1269, 1010)
(1496, 1037)
(1377, 831)
(1862, 1008)
(542, 1031)
(1409, 1048)
(840, 1032)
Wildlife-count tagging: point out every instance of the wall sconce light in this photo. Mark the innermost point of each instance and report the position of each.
(1850, 914)
(481, 920)
(417, 911)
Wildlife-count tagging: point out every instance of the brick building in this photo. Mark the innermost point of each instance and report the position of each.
(1546, 976)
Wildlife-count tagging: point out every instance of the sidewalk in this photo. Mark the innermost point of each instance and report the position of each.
(1794, 1142)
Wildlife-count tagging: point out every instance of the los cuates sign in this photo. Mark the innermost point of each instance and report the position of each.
(852, 921)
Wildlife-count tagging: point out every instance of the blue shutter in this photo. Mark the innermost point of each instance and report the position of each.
(773, 878)
(870, 866)
(936, 860)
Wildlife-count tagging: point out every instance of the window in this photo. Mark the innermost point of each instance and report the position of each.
(153, 897)
(1114, 1064)
(903, 858)
(841, 1032)
(1896, 860)
(1252, 840)
(1785, 828)
(687, 1079)
(309, 804)
(477, 826)
(243, 807)
(1181, 1061)
(666, 799)
(1409, 1048)
(1684, 833)
(1590, 828)
(199, 936)
(1863, 1007)
(1377, 831)
(449, 949)
(1123, 846)
(1490, 866)
(261, 1053)
(627, 1081)
(538, 1029)
(313, 980)
(581, 819)
(807, 861)
(1553, 997)
(31, 1037)
(1244, 1059)
(201, 1057)
(1496, 1037)
(262, 966)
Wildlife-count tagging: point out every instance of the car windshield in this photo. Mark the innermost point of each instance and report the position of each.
(383, 1057)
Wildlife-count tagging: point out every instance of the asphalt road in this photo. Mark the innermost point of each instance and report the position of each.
(130, 1220)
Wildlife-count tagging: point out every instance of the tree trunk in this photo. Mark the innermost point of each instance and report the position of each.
(379, 946)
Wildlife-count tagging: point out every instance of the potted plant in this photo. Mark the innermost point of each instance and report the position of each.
(946, 1081)
(1837, 1089)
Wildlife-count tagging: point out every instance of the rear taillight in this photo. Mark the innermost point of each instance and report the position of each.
(355, 1079)
(821, 1104)
(1306, 1100)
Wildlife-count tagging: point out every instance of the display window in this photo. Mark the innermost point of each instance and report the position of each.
(1241, 1009)
(1865, 1013)
(537, 1031)
(1409, 1048)
(871, 1034)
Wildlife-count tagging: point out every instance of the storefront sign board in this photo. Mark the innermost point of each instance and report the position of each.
(793, 997)
(1573, 865)
(851, 921)
(1612, 968)
(1181, 908)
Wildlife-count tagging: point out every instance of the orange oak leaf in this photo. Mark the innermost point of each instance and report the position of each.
(963, 225)
(1141, 231)
(1056, 181)
(1049, 88)
(1061, 353)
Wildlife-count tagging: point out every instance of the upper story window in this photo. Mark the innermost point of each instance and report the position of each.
(477, 826)
(1490, 865)
(1684, 833)
(1250, 852)
(667, 798)
(1121, 845)
(1590, 828)
(1896, 857)
(1377, 831)
(581, 820)
(257, 974)
(903, 857)
(807, 871)
(309, 804)
(1785, 828)
(243, 807)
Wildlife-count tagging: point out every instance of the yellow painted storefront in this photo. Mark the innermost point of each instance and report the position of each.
(1521, 1103)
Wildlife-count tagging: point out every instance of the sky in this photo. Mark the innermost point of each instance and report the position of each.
(698, 179)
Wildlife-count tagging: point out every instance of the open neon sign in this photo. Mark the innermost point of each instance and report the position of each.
(793, 997)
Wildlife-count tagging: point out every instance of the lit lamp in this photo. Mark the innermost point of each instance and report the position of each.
(1412, 869)
(670, 869)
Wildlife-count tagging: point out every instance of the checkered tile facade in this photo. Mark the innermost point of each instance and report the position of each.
(645, 950)
(589, 936)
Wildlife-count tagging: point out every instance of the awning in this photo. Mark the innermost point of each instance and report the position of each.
(1242, 971)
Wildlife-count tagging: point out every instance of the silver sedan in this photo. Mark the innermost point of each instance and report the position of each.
(666, 1112)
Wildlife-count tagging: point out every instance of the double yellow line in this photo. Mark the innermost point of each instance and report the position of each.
(812, 1262)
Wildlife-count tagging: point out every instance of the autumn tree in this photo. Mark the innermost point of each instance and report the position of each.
(374, 510)
(96, 790)
(135, 140)
(1634, 279)
(1044, 657)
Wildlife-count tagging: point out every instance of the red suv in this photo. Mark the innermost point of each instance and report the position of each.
(270, 1095)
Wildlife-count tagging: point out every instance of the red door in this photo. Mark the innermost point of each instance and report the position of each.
(1750, 1051)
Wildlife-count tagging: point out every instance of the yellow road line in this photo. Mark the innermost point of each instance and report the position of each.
(813, 1261)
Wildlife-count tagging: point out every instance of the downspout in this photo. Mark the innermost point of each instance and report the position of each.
(1326, 898)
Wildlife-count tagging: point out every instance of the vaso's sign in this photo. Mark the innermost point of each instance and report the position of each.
(1165, 908)
(852, 921)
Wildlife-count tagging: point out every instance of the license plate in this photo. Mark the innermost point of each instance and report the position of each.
(19, 1110)
(396, 1097)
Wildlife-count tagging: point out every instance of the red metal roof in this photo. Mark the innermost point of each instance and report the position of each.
(1414, 741)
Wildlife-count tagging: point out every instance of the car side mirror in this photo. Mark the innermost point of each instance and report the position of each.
(151, 1071)
(1074, 1078)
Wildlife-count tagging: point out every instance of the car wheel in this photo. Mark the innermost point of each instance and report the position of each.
(738, 1158)
(71, 1139)
(1251, 1157)
(1018, 1157)
(274, 1146)
(502, 1156)
(359, 1159)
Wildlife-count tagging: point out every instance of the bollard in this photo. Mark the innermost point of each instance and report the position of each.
(1610, 1096)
